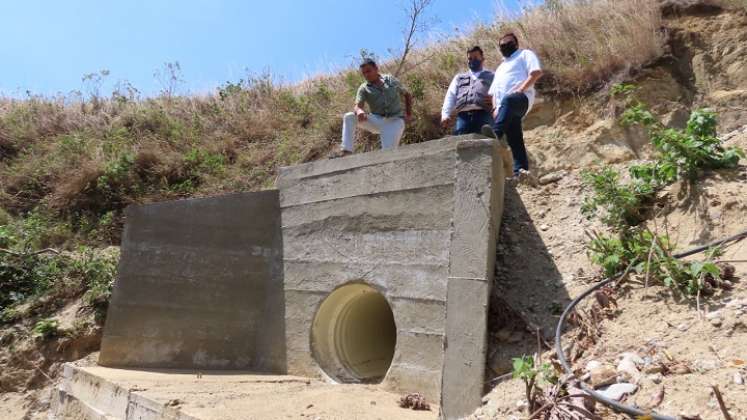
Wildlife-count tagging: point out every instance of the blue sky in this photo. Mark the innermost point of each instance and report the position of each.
(48, 45)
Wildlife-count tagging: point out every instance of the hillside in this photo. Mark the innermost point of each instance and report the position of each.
(70, 165)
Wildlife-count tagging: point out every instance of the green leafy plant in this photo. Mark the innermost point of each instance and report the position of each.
(46, 328)
(622, 206)
(524, 368)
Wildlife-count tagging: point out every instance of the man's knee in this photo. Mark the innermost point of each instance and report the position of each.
(349, 116)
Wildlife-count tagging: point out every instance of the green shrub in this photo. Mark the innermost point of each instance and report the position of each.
(680, 155)
(46, 328)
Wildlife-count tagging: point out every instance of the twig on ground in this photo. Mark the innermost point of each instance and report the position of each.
(721, 403)
(29, 254)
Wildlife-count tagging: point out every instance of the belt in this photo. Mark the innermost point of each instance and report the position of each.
(387, 115)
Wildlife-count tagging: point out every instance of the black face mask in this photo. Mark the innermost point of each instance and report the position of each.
(508, 49)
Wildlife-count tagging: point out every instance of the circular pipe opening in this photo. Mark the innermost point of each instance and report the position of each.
(354, 336)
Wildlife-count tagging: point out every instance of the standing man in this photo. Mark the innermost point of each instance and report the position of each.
(468, 97)
(383, 94)
(513, 96)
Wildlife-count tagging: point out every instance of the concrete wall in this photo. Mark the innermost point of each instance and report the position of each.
(419, 224)
(199, 286)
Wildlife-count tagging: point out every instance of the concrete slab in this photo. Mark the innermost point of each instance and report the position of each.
(98, 393)
(199, 286)
(419, 224)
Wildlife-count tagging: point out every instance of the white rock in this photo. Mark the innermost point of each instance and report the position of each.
(713, 315)
(593, 364)
(552, 177)
(544, 227)
(628, 370)
(617, 391)
(737, 303)
(683, 327)
(738, 379)
(633, 357)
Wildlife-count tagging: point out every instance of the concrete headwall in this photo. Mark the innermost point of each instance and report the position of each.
(419, 224)
(199, 286)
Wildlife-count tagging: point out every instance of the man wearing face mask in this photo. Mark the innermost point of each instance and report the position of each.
(513, 96)
(468, 96)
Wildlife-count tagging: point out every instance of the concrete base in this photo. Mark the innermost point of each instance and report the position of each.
(372, 268)
(99, 393)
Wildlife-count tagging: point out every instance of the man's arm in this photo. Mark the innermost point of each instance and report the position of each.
(449, 102)
(531, 80)
(360, 112)
(533, 67)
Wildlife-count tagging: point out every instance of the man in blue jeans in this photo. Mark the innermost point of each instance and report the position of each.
(513, 96)
(468, 97)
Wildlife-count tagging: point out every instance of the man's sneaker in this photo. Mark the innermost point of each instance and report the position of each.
(339, 153)
(488, 131)
(525, 177)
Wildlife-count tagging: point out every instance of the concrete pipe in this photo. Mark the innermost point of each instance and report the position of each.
(354, 335)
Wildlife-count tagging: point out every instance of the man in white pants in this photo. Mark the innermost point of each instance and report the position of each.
(383, 93)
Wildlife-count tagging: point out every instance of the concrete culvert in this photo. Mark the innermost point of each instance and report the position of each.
(354, 335)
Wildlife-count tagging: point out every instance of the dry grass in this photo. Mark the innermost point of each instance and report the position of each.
(86, 159)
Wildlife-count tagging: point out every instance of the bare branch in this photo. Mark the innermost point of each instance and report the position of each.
(415, 13)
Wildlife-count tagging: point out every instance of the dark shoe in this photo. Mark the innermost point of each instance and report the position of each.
(339, 153)
(487, 131)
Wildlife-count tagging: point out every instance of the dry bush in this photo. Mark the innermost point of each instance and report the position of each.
(64, 145)
(75, 191)
(583, 43)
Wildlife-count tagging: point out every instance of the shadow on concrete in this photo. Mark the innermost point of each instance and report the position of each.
(528, 292)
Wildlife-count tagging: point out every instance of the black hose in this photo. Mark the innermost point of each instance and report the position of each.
(632, 411)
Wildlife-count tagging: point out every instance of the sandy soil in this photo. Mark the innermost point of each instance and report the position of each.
(543, 248)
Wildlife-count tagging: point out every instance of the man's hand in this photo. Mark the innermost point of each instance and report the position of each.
(446, 122)
(362, 117)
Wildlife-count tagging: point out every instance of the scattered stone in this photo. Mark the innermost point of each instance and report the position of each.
(713, 315)
(653, 368)
(593, 364)
(633, 357)
(737, 304)
(683, 327)
(738, 379)
(544, 228)
(679, 369)
(618, 391)
(716, 322)
(603, 376)
(415, 401)
(627, 368)
(552, 177)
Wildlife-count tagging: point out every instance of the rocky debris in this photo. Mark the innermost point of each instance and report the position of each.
(592, 364)
(602, 376)
(552, 177)
(618, 391)
(738, 379)
(415, 401)
(627, 368)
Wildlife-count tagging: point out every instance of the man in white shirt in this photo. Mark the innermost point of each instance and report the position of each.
(513, 96)
(468, 97)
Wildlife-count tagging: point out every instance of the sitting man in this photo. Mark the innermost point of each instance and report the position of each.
(468, 97)
(513, 96)
(382, 93)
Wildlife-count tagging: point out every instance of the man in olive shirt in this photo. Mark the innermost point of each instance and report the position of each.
(382, 93)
